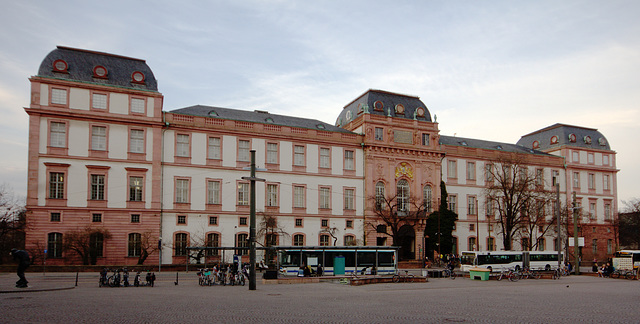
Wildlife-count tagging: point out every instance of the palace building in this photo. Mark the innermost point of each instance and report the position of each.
(142, 184)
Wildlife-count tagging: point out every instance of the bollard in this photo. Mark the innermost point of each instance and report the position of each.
(76, 279)
(176, 283)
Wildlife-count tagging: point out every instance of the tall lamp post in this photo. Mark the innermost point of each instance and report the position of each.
(252, 221)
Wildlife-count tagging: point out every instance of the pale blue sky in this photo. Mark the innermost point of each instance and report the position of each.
(492, 70)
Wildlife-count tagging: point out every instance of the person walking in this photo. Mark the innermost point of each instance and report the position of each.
(24, 261)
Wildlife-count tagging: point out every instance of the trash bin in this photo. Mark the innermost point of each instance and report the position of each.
(479, 274)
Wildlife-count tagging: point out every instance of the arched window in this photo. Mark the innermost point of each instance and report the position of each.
(180, 244)
(472, 244)
(271, 239)
(134, 245)
(213, 240)
(298, 240)
(243, 242)
(54, 245)
(96, 245)
(349, 240)
(324, 240)
(403, 195)
(379, 195)
(427, 198)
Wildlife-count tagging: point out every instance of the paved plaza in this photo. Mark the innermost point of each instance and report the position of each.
(54, 298)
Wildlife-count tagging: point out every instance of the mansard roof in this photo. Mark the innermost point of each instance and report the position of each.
(558, 135)
(487, 145)
(384, 103)
(257, 116)
(81, 65)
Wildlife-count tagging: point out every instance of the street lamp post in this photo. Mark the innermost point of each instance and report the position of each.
(252, 221)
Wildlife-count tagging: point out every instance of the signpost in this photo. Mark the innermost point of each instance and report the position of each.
(252, 221)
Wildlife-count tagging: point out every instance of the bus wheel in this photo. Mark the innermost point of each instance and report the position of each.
(547, 267)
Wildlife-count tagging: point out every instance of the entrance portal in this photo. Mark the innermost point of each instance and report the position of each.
(407, 243)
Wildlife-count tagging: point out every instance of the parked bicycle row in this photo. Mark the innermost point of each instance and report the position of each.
(226, 275)
(120, 278)
(513, 274)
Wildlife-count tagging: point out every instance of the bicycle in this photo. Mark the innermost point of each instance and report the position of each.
(527, 273)
(510, 274)
(448, 273)
(407, 277)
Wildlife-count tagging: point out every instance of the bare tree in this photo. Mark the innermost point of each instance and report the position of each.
(629, 225)
(394, 213)
(519, 196)
(12, 222)
(148, 245)
(87, 243)
(269, 230)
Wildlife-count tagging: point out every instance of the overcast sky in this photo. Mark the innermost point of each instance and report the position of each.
(492, 70)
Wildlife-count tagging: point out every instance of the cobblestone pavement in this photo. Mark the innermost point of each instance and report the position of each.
(569, 300)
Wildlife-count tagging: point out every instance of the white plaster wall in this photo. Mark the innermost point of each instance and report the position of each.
(44, 135)
(79, 99)
(78, 138)
(199, 148)
(286, 156)
(119, 103)
(150, 103)
(312, 158)
(118, 141)
(169, 146)
(229, 151)
(44, 95)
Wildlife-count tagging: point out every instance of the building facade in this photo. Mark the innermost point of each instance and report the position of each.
(140, 185)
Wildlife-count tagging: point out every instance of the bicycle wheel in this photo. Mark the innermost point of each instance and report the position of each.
(500, 276)
(615, 274)
(536, 275)
(411, 278)
(453, 275)
(513, 277)
(396, 278)
(629, 275)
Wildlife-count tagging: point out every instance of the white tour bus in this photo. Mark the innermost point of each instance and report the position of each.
(498, 260)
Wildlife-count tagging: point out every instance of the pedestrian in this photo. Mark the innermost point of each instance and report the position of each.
(23, 263)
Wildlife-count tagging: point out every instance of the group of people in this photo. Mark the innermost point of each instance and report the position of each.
(308, 271)
(605, 270)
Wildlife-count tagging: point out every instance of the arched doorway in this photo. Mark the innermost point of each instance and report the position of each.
(406, 241)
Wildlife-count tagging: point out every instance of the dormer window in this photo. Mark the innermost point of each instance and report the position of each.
(587, 140)
(554, 139)
(60, 66)
(320, 126)
(535, 145)
(137, 77)
(348, 116)
(213, 113)
(269, 120)
(378, 106)
(399, 109)
(100, 72)
(420, 112)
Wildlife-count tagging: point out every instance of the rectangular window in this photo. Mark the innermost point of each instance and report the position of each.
(244, 148)
(349, 197)
(592, 181)
(472, 205)
(605, 182)
(182, 145)
(539, 177)
(349, 224)
(426, 141)
(182, 191)
(592, 211)
(298, 222)
(472, 227)
(471, 171)
(605, 159)
(214, 148)
(137, 105)
(56, 185)
(54, 245)
(272, 153)
(135, 218)
(576, 180)
(607, 211)
(181, 243)
(555, 177)
(243, 194)
(243, 221)
(97, 187)
(488, 173)
(272, 195)
(325, 157)
(488, 205)
(55, 217)
(99, 101)
(136, 141)
(348, 160)
(298, 240)
(575, 156)
(325, 198)
(182, 219)
(298, 155)
(213, 192)
(213, 220)
(609, 246)
(98, 138)
(453, 203)
(59, 96)
(324, 223)
(58, 134)
(590, 158)
(452, 169)
(594, 246)
(379, 134)
(298, 196)
(349, 240)
(135, 188)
